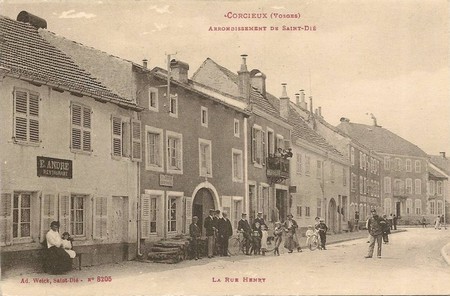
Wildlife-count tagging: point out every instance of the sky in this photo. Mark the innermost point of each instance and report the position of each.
(389, 58)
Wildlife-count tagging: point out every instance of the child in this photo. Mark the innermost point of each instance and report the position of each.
(67, 244)
(278, 232)
(264, 236)
(309, 234)
(322, 228)
(256, 239)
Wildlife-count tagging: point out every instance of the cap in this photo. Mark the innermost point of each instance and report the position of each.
(54, 223)
(260, 213)
(322, 220)
(278, 223)
(290, 215)
(211, 210)
(195, 218)
(218, 211)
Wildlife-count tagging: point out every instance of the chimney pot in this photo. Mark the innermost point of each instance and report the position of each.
(179, 70)
(442, 154)
(284, 103)
(244, 80)
(297, 99)
(284, 92)
(144, 63)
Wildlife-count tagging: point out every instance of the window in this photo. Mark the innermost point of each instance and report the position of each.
(332, 173)
(257, 145)
(387, 206)
(417, 166)
(263, 201)
(431, 187)
(353, 182)
(205, 160)
(319, 208)
(387, 163)
(270, 142)
(236, 128)
(26, 116)
(120, 137)
(439, 207)
(204, 116)
(307, 211)
(387, 184)
(237, 212)
(174, 152)
(81, 128)
(307, 165)
(78, 215)
(352, 155)
(361, 185)
(398, 187)
(398, 164)
(153, 216)
(21, 215)
(408, 165)
(409, 206)
(299, 211)
(173, 105)
(418, 186)
(418, 206)
(154, 155)
(361, 160)
(408, 183)
(432, 207)
(439, 187)
(237, 166)
(153, 99)
(319, 169)
(172, 217)
(366, 187)
(299, 164)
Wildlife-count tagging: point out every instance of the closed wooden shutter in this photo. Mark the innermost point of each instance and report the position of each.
(64, 212)
(254, 145)
(263, 140)
(6, 218)
(20, 115)
(76, 127)
(136, 153)
(48, 212)
(145, 216)
(100, 221)
(87, 129)
(188, 212)
(116, 136)
(33, 116)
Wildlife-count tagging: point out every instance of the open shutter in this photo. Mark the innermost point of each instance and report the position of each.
(6, 218)
(34, 117)
(87, 129)
(263, 139)
(188, 211)
(48, 212)
(136, 154)
(20, 115)
(253, 145)
(100, 221)
(145, 216)
(76, 127)
(116, 136)
(64, 212)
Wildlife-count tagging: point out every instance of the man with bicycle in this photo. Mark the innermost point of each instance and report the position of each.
(244, 227)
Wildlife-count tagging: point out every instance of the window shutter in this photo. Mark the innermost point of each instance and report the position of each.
(34, 117)
(87, 129)
(76, 127)
(20, 115)
(188, 211)
(145, 216)
(263, 139)
(116, 136)
(6, 218)
(136, 153)
(253, 145)
(100, 221)
(64, 212)
(48, 212)
(178, 152)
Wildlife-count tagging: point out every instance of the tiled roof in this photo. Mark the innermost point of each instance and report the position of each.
(441, 162)
(380, 139)
(302, 131)
(27, 55)
(224, 80)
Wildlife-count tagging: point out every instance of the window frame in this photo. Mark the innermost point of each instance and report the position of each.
(387, 163)
(418, 185)
(28, 117)
(173, 98)
(169, 168)
(417, 166)
(387, 185)
(408, 165)
(178, 211)
(32, 206)
(418, 206)
(240, 163)
(153, 90)
(307, 165)
(208, 158)
(236, 128)
(85, 199)
(408, 186)
(257, 146)
(160, 132)
(204, 116)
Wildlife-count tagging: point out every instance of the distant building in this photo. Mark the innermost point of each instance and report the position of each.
(439, 186)
(404, 170)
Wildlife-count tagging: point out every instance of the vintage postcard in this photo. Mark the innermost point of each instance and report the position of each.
(224, 147)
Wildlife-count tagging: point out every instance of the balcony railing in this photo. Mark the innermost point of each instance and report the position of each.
(277, 168)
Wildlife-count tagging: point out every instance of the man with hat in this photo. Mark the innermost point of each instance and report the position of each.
(194, 233)
(217, 245)
(260, 220)
(210, 232)
(244, 227)
(322, 229)
(291, 242)
(375, 226)
(225, 230)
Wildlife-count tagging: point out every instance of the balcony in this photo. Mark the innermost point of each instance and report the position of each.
(277, 169)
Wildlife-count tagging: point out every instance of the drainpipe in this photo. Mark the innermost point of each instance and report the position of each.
(247, 208)
(138, 205)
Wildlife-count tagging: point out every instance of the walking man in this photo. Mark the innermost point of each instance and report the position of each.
(375, 226)
(225, 231)
(356, 221)
(210, 231)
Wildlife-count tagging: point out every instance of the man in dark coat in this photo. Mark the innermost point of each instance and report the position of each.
(244, 227)
(376, 226)
(217, 245)
(225, 231)
(260, 220)
(210, 232)
(394, 221)
(194, 233)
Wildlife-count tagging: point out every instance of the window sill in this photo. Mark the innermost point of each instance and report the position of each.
(23, 143)
(81, 152)
(154, 168)
(238, 180)
(257, 165)
(174, 115)
(175, 171)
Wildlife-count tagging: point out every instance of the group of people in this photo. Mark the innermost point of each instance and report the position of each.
(392, 220)
(59, 253)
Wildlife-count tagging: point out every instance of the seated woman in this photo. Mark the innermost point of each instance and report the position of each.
(58, 260)
(67, 244)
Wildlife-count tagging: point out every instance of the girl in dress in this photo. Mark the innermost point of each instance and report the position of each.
(264, 236)
(67, 244)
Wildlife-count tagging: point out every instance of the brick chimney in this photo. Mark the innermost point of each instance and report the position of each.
(144, 63)
(442, 154)
(244, 80)
(284, 102)
(258, 80)
(302, 103)
(179, 70)
(320, 111)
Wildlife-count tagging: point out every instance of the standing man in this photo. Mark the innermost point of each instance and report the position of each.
(244, 227)
(209, 227)
(194, 233)
(217, 246)
(291, 242)
(322, 228)
(260, 219)
(391, 221)
(375, 226)
(356, 221)
(394, 221)
(225, 231)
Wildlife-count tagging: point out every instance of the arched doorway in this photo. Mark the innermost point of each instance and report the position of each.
(332, 215)
(203, 202)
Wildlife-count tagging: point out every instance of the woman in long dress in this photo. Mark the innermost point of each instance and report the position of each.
(291, 242)
(58, 260)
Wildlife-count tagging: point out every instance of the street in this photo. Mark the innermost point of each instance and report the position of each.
(411, 264)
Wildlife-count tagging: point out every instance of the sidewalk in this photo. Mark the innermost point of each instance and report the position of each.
(127, 268)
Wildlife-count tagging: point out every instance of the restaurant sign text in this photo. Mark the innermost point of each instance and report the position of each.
(54, 167)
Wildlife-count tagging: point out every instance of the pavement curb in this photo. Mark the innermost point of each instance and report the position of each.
(444, 253)
(350, 239)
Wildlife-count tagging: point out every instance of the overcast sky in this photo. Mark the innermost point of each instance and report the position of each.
(389, 58)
